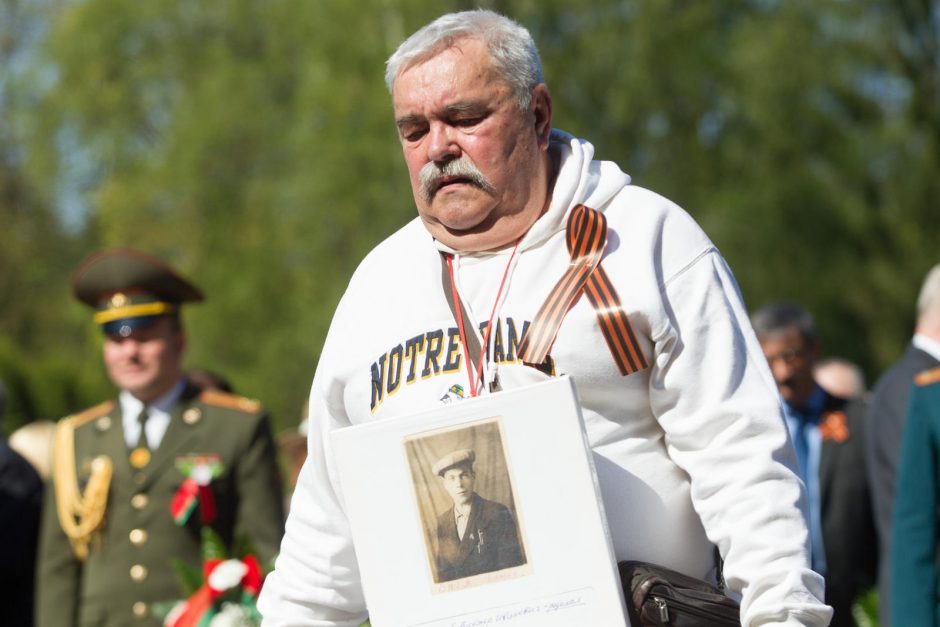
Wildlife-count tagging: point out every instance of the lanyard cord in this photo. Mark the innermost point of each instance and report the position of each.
(475, 378)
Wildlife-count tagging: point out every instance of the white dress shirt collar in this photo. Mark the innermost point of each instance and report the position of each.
(159, 415)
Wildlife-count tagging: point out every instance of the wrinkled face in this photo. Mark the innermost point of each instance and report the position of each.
(147, 362)
(458, 481)
(791, 360)
(478, 164)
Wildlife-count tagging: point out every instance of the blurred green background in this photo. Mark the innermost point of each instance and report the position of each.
(250, 142)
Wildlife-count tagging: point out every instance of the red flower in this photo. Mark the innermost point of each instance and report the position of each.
(832, 426)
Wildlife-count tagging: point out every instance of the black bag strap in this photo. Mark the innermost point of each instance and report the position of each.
(719, 570)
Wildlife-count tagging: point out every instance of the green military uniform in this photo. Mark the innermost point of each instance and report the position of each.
(108, 537)
(915, 545)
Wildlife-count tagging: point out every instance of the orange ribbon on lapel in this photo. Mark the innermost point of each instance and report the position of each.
(586, 238)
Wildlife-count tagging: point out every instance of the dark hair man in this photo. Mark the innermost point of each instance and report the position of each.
(136, 478)
(829, 437)
(530, 258)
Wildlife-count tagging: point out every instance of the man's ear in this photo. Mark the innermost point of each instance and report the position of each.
(541, 107)
(181, 341)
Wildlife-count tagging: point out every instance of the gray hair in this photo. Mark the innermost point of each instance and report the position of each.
(510, 45)
(782, 315)
(928, 301)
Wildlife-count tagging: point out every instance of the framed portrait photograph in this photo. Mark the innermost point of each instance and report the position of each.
(483, 511)
(464, 495)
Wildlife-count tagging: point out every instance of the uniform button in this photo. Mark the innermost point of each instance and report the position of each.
(140, 501)
(138, 572)
(140, 609)
(138, 536)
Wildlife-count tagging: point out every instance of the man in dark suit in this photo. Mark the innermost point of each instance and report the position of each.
(476, 535)
(136, 479)
(885, 424)
(829, 437)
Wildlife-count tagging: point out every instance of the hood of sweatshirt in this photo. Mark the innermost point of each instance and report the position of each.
(579, 180)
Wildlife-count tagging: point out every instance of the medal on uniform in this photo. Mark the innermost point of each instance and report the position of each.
(140, 457)
(199, 471)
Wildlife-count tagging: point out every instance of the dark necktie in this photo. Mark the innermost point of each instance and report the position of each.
(142, 420)
(140, 456)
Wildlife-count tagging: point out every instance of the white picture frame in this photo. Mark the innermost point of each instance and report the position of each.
(530, 459)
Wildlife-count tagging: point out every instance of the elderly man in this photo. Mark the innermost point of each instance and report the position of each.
(500, 282)
(475, 535)
(138, 477)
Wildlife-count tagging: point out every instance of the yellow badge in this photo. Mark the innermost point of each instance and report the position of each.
(140, 457)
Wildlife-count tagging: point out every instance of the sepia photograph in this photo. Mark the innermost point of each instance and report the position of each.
(464, 495)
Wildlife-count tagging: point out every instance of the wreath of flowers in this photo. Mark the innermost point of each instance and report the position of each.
(223, 593)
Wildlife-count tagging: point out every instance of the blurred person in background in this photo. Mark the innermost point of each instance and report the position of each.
(209, 380)
(20, 505)
(885, 424)
(138, 477)
(915, 573)
(840, 377)
(829, 438)
(34, 442)
(292, 446)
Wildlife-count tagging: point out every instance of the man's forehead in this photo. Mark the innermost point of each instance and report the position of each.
(456, 50)
(786, 335)
(456, 471)
(446, 79)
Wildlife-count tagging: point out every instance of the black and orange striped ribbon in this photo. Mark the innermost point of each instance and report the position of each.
(586, 237)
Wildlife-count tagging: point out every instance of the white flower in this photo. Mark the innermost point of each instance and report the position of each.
(232, 615)
(202, 474)
(227, 575)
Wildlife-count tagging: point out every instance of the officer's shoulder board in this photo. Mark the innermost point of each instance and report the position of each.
(216, 398)
(82, 417)
(927, 377)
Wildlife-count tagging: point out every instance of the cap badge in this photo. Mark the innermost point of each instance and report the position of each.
(118, 300)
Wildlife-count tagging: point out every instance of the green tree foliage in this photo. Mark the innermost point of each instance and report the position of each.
(251, 143)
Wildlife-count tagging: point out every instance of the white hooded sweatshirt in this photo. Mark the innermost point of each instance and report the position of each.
(690, 451)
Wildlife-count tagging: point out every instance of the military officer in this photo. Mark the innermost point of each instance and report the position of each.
(137, 477)
(915, 599)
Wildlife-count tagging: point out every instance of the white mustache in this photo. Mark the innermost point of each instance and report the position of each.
(431, 175)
